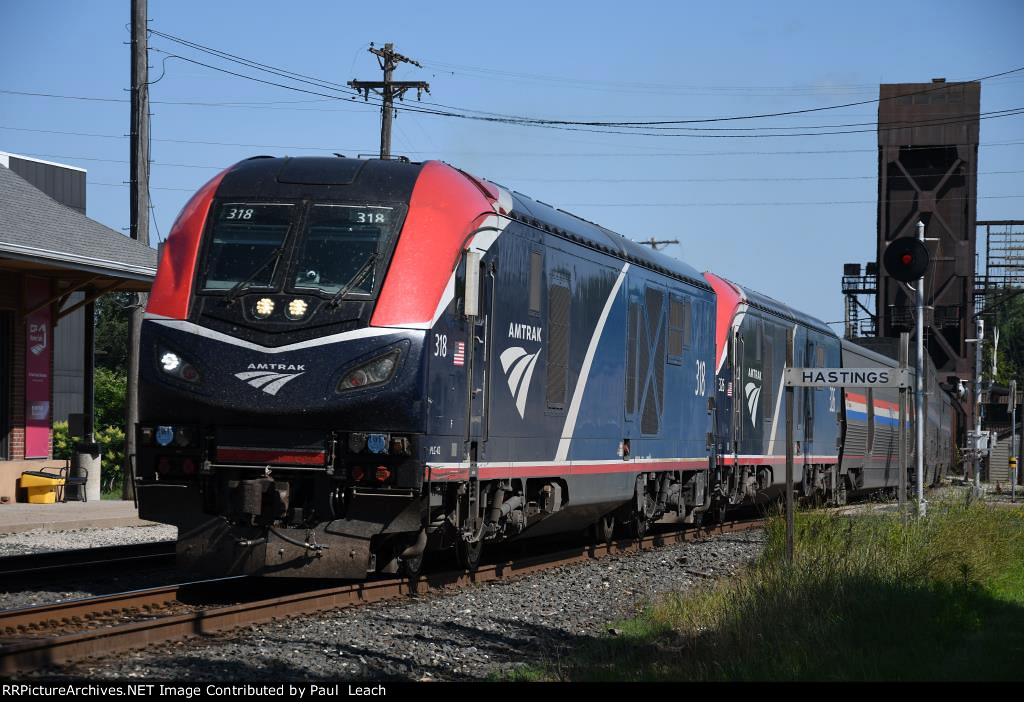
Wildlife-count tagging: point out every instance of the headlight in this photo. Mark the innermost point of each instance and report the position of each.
(175, 366)
(297, 309)
(376, 372)
(264, 308)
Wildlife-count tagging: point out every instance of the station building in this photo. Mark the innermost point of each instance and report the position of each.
(54, 263)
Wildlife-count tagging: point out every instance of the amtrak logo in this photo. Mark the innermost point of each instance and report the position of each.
(518, 366)
(267, 381)
(752, 391)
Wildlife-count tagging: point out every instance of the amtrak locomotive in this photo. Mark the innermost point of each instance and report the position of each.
(348, 363)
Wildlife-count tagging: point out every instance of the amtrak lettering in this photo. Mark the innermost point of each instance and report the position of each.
(524, 332)
(276, 366)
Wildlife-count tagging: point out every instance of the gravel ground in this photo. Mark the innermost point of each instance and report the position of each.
(465, 634)
(38, 540)
(56, 589)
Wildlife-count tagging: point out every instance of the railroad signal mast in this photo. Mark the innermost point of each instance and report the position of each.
(388, 90)
(906, 260)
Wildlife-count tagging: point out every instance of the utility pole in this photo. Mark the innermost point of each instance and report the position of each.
(140, 219)
(790, 528)
(389, 89)
(657, 244)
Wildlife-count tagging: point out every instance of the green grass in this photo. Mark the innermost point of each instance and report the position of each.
(867, 598)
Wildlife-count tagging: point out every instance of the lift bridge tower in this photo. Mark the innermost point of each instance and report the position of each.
(928, 171)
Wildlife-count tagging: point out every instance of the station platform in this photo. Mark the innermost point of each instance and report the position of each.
(63, 516)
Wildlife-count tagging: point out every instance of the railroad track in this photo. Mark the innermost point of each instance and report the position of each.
(37, 637)
(36, 567)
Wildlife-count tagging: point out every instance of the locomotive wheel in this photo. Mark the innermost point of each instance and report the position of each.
(604, 529)
(841, 491)
(643, 509)
(716, 512)
(468, 553)
(412, 566)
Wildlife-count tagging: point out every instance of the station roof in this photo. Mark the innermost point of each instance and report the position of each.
(39, 235)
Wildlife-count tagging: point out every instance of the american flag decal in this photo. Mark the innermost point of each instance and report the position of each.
(459, 358)
(728, 390)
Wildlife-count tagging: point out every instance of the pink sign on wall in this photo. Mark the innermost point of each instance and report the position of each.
(38, 349)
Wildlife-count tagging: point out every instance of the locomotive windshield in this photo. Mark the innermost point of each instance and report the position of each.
(336, 248)
(245, 238)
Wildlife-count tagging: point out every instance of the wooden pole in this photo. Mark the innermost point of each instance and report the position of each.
(789, 452)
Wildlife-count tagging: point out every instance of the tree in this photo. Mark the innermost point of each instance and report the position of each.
(1009, 318)
(113, 313)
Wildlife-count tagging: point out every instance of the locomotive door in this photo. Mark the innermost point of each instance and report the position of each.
(478, 308)
(479, 361)
(738, 363)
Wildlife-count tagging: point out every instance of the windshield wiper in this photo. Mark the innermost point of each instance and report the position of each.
(241, 285)
(356, 278)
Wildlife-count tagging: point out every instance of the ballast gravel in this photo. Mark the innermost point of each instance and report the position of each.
(38, 540)
(60, 589)
(465, 634)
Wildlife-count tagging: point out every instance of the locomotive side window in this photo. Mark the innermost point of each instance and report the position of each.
(559, 306)
(336, 248)
(631, 341)
(768, 370)
(536, 280)
(245, 244)
(679, 324)
(651, 369)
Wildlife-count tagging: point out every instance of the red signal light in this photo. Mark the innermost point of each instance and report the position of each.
(358, 474)
(905, 259)
(382, 474)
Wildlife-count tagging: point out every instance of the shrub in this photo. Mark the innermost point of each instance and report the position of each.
(63, 442)
(111, 440)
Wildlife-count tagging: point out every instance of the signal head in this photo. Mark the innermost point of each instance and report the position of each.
(906, 259)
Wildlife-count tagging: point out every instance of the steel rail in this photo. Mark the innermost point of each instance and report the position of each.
(33, 653)
(73, 561)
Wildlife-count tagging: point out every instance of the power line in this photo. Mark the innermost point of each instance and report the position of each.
(531, 179)
(660, 88)
(764, 204)
(670, 205)
(526, 154)
(273, 105)
(529, 121)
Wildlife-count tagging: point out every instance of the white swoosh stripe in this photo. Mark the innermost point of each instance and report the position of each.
(518, 369)
(273, 387)
(581, 382)
(364, 333)
(778, 405)
(524, 389)
(264, 380)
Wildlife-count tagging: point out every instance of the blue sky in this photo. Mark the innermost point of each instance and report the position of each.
(729, 201)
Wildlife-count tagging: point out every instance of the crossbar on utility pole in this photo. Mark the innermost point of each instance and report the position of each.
(790, 527)
(388, 90)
